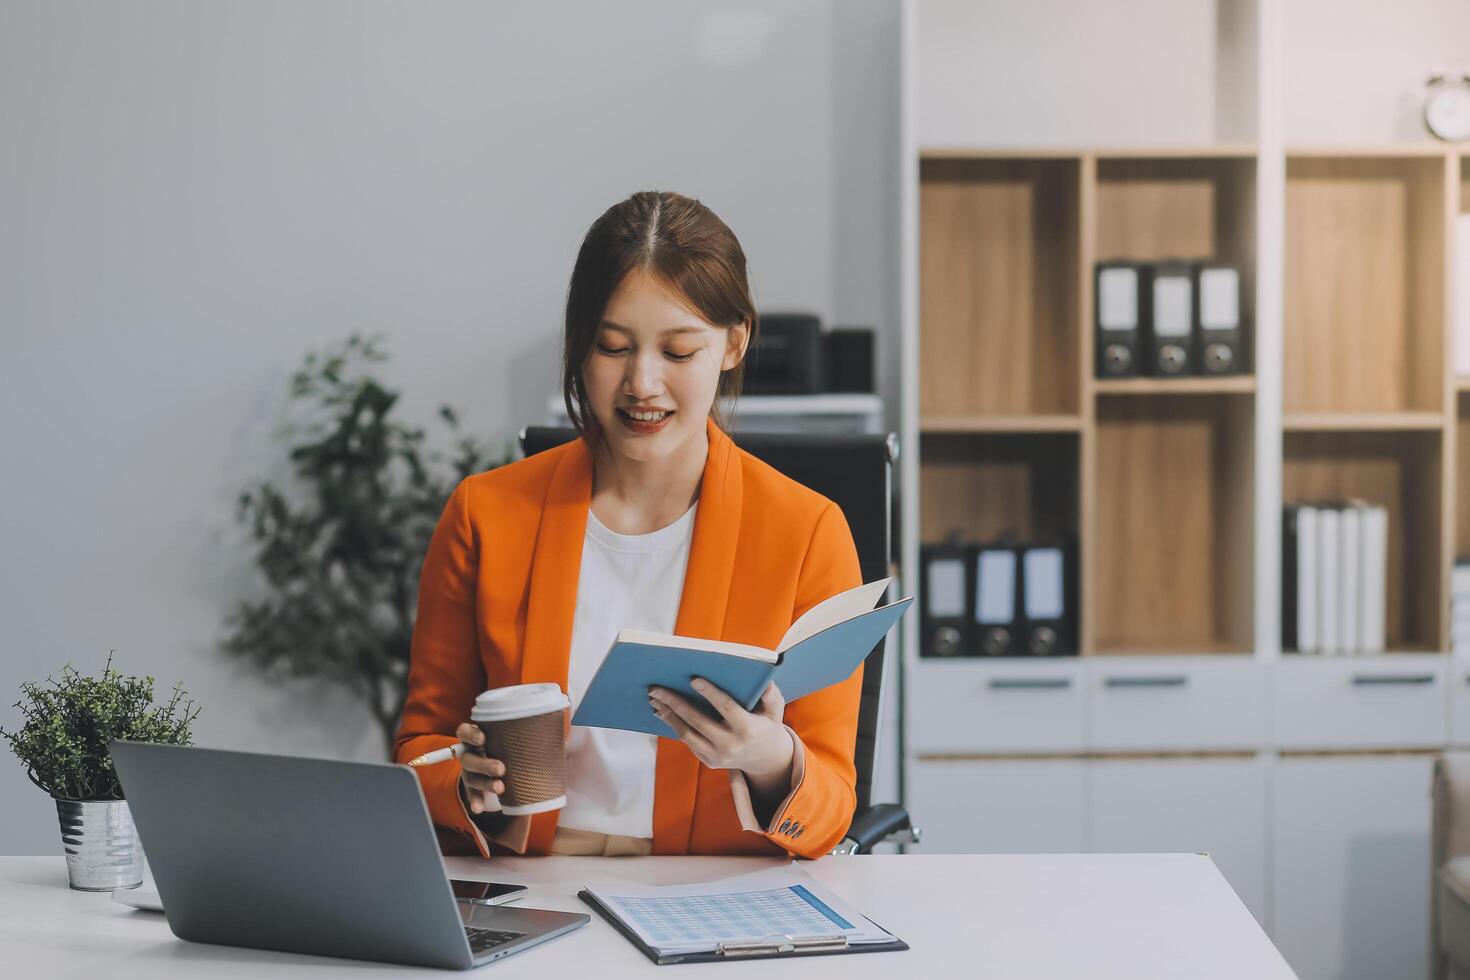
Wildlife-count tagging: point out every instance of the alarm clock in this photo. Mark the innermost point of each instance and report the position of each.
(1447, 107)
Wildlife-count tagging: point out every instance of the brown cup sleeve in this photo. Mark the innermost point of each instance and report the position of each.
(534, 751)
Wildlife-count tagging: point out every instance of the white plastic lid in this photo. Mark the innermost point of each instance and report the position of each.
(518, 701)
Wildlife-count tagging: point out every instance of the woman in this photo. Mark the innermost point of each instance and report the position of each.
(652, 519)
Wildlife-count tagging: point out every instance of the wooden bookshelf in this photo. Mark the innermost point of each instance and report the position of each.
(1152, 476)
(1156, 477)
(1149, 209)
(1400, 471)
(981, 486)
(998, 287)
(1368, 395)
(1364, 284)
(1173, 498)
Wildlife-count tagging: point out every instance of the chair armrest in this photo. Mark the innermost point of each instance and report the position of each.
(876, 824)
(1450, 839)
(1451, 807)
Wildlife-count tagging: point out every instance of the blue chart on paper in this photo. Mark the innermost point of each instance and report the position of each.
(712, 919)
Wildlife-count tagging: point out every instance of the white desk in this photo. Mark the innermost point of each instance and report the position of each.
(1048, 917)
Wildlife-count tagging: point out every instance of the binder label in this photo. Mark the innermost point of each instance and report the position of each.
(1043, 570)
(1219, 299)
(1117, 300)
(995, 588)
(946, 587)
(1171, 306)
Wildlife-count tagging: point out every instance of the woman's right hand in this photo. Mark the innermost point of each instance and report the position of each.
(479, 774)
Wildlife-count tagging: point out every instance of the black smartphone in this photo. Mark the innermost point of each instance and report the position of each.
(486, 892)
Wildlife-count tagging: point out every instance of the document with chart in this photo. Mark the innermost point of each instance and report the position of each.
(778, 911)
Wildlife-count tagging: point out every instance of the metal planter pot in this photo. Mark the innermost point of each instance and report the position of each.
(101, 844)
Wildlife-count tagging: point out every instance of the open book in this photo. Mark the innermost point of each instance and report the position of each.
(820, 649)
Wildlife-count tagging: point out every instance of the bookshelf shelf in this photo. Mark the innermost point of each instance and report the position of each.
(1242, 384)
(1216, 151)
(978, 424)
(1370, 151)
(1214, 647)
(1363, 422)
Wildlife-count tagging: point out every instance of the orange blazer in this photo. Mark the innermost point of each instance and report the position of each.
(498, 593)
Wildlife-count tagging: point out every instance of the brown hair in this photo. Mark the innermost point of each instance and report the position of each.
(687, 248)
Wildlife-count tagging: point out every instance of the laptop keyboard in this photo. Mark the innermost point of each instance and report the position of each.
(483, 940)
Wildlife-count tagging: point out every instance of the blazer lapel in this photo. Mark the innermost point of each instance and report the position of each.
(555, 570)
(702, 609)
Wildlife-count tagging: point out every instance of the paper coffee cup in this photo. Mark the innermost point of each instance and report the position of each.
(525, 727)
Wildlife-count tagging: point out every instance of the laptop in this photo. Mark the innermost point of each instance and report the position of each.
(309, 856)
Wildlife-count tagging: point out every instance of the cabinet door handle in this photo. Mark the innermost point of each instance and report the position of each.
(1161, 680)
(1365, 680)
(1030, 683)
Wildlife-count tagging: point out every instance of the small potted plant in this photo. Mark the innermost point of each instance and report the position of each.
(62, 743)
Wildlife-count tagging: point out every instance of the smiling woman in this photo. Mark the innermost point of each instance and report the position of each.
(660, 270)
(653, 520)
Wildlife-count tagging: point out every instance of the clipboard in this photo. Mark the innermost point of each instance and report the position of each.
(731, 952)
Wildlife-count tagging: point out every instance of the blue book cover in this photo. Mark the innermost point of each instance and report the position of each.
(820, 649)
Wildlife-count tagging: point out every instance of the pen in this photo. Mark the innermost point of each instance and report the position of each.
(439, 755)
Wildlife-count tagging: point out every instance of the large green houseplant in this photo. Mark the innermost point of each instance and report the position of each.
(340, 551)
(63, 744)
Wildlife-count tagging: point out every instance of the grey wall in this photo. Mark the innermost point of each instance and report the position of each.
(192, 194)
(1355, 72)
(1075, 73)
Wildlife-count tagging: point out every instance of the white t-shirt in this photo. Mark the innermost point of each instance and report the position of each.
(628, 581)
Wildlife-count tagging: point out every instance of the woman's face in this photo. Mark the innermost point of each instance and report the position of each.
(655, 368)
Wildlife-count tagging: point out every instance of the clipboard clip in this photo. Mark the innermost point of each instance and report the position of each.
(778, 945)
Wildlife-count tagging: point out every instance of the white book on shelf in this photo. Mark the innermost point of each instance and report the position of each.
(1328, 574)
(1460, 310)
(1306, 580)
(1349, 577)
(1372, 612)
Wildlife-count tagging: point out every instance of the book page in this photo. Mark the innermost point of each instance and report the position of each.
(829, 612)
(649, 638)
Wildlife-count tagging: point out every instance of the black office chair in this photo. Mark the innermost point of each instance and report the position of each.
(856, 473)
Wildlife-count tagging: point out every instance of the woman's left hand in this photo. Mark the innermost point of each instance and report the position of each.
(755, 742)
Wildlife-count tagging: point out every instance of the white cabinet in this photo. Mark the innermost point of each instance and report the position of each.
(973, 706)
(1211, 806)
(998, 805)
(1350, 868)
(1140, 704)
(1392, 701)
